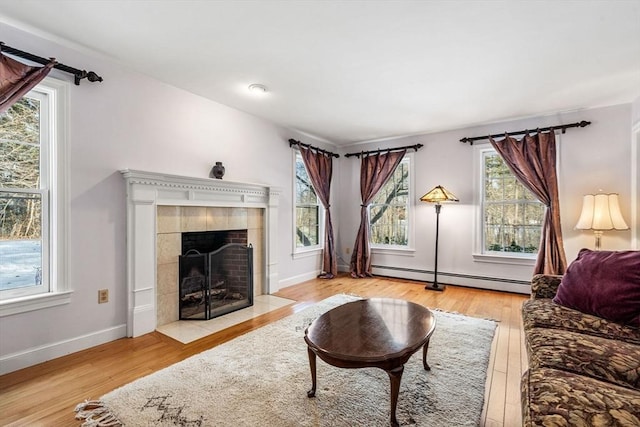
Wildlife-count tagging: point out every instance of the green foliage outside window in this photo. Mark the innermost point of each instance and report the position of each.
(389, 210)
(512, 215)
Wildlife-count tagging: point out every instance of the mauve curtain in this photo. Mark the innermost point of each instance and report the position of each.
(320, 169)
(533, 162)
(16, 79)
(375, 170)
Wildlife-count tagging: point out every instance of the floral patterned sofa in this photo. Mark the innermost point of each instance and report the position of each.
(584, 370)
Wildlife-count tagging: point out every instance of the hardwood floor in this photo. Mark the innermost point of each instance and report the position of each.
(46, 394)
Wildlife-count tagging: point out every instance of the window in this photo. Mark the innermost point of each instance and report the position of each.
(32, 198)
(511, 215)
(308, 212)
(389, 210)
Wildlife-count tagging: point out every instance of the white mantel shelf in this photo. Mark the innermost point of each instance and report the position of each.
(195, 191)
(146, 191)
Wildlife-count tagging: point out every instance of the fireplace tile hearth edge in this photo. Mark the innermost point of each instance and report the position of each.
(186, 331)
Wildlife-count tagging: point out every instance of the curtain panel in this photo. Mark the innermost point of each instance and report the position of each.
(533, 161)
(320, 169)
(375, 170)
(16, 79)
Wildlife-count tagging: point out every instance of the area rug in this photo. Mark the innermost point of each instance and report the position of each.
(261, 379)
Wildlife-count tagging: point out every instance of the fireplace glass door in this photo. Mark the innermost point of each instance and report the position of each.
(215, 283)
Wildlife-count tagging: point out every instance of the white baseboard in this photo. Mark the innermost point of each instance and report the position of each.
(470, 281)
(298, 279)
(13, 362)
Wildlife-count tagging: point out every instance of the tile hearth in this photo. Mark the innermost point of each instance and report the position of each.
(187, 331)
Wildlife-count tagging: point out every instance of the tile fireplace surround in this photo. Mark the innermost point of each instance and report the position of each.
(160, 207)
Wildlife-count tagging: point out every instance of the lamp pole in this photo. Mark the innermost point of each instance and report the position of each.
(437, 195)
(435, 268)
(435, 285)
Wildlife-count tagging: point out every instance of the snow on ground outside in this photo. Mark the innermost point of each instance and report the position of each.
(20, 263)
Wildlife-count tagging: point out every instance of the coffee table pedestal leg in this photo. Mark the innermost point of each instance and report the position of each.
(312, 365)
(395, 375)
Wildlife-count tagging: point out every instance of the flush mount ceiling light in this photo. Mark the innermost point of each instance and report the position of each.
(257, 89)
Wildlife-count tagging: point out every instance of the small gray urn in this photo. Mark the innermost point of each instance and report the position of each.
(217, 171)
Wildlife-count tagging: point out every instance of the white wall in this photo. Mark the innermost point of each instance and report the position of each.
(132, 121)
(635, 174)
(590, 159)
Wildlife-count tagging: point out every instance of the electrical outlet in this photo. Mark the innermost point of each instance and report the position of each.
(347, 251)
(103, 296)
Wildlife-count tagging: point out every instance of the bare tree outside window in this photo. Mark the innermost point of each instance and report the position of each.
(512, 216)
(389, 210)
(21, 198)
(307, 208)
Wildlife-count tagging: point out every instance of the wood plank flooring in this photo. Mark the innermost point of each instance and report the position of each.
(46, 394)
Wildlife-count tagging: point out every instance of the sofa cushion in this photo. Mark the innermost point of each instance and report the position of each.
(605, 284)
(545, 313)
(608, 360)
(552, 397)
(545, 285)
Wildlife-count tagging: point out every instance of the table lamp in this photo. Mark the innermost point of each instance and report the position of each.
(601, 212)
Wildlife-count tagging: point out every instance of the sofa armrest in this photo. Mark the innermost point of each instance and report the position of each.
(544, 285)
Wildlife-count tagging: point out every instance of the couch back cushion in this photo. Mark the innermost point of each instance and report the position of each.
(605, 284)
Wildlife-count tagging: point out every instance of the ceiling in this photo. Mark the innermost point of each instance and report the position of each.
(353, 71)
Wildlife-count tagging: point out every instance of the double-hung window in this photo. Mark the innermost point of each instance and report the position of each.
(390, 210)
(309, 212)
(33, 200)
(511, 216)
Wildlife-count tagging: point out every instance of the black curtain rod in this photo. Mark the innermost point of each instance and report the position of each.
(523, 132)
(78, 74)
(365, 153)
(293, 142)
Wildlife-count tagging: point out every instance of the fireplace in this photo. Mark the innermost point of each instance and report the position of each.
(215, 274)
(160, 207)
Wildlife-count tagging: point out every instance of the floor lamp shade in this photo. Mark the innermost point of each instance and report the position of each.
(601, 212)
(437, 195)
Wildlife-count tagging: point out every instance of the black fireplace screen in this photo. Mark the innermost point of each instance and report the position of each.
(215, 283)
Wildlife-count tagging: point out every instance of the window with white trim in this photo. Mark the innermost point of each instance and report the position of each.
(511, 216)
(389, 211)
(33, 198)
(309, 212)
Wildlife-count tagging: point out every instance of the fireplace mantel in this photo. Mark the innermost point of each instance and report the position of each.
(148, 190)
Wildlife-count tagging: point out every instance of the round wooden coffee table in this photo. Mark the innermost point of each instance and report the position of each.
(378, 332)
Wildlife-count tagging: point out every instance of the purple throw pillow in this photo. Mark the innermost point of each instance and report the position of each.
(605, 284)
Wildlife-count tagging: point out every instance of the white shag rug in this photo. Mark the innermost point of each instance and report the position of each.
(262, 378)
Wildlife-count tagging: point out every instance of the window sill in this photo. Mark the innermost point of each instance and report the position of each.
(34, 302)
(505, 259)
(306, 253)
(398, 250)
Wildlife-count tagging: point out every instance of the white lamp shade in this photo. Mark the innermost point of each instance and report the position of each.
(601, 212)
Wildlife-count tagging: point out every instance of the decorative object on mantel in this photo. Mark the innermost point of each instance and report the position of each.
(436, 195)
(564, 128)
(601, 212)
(274, 363)
(217, 171)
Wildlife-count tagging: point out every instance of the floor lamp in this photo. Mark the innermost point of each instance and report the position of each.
(438, 195)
